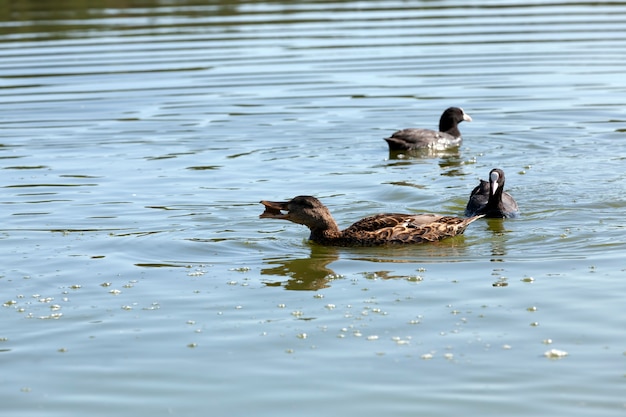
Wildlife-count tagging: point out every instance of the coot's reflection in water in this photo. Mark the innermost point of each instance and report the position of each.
(498, 241)
(450, 160)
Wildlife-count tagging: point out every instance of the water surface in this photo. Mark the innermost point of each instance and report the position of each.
(136, 140)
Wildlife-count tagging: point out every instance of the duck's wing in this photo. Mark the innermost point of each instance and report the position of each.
(403, 228)
(442, 227)
(385, 220)
(408, 139)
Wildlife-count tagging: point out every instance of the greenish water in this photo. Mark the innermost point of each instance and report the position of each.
(137, 139)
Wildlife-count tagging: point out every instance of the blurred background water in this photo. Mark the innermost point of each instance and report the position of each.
(137, 137)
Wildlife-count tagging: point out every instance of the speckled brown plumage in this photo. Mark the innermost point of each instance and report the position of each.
(380, 229)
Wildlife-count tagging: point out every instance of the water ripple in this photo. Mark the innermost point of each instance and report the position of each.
(136, 140)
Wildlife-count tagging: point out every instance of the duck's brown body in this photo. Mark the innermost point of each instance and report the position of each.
(381, 229)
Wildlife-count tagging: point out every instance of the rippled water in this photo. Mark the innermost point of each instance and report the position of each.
(137, 138)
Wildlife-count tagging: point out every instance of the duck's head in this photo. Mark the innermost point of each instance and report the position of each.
(496, 180)
(304, 209)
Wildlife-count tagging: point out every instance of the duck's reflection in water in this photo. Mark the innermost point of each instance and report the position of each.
(313, 273)
(307, 274)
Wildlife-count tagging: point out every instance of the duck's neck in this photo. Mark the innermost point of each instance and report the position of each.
(326, 233)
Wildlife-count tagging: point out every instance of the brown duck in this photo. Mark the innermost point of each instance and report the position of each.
(380, 229)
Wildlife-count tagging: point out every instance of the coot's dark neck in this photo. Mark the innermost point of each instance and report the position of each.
(494, 204)
(449, 126)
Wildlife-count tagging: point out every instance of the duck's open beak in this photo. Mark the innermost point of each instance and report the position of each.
(273, 210)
